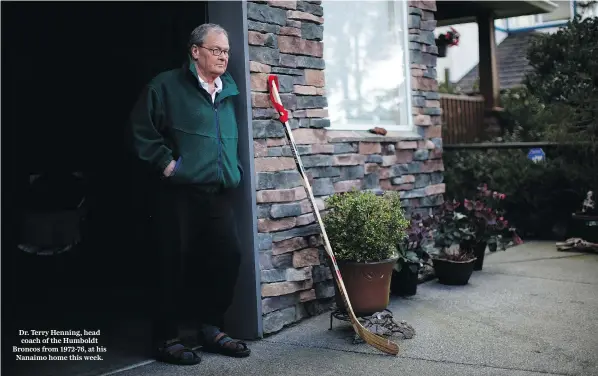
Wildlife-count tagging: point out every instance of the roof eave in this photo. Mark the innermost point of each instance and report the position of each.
(546, 6)
(460, 13)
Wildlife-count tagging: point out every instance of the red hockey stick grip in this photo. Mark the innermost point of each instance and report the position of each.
(284, 114)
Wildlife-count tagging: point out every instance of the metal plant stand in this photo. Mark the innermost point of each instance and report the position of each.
(341, 315)
(381, 323)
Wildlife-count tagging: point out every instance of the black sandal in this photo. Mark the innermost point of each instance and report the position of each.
(177, 353)
(219, 347)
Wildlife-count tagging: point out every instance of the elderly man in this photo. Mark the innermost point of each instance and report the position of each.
(184, 131)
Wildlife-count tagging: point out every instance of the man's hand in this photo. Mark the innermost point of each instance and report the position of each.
(169, 169)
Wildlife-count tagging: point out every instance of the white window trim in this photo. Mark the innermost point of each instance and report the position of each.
(409, 127)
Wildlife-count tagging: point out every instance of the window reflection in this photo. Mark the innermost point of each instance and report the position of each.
(365, 69)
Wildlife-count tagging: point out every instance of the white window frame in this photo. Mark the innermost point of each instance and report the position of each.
(401, 8)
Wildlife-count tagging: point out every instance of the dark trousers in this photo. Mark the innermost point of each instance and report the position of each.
(198, 257)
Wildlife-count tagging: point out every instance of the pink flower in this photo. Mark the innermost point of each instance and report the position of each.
(451, 206)
(516, 239)
(467, 204)
(479, 205)
(503, 196)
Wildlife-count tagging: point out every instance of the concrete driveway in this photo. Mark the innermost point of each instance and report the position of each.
(531, 311)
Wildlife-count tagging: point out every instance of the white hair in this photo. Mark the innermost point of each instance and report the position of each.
(198, 35)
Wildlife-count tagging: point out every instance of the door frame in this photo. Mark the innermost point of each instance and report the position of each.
(244, 318)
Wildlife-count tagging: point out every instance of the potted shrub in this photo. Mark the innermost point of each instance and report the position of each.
(412, 255)
(455, 237)
(364, 229)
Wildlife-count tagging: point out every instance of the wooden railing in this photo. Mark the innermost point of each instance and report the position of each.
(462, 118)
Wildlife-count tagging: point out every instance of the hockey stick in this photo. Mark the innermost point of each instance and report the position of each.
(372, 339)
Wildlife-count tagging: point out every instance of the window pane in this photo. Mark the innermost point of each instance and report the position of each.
(365, 69)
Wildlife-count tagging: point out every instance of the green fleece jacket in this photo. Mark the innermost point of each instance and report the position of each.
(175, 119)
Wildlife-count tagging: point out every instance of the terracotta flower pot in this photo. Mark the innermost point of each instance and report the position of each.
(367, 284)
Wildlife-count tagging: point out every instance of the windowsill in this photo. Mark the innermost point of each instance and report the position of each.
(365, 136)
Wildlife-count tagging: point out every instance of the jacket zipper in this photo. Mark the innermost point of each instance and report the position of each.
(219, 141)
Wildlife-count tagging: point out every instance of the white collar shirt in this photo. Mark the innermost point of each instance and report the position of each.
(217, 87)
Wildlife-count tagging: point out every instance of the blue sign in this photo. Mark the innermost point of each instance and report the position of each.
(536, 155)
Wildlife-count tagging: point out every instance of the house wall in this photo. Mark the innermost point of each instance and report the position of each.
(285, 38)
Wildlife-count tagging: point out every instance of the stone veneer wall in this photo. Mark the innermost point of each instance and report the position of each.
(285, 38)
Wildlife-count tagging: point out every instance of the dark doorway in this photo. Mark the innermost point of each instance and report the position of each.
(71, 73)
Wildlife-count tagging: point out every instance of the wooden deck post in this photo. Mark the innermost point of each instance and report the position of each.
(488, 73)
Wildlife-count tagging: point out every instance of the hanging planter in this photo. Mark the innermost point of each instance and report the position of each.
(448, 39)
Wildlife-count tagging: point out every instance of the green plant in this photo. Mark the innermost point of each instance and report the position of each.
(455, 234)
(365, 227)
(447, 88)
(525, 118)
(565, 74)
(539, 196)
(487, 217)
(419, 235)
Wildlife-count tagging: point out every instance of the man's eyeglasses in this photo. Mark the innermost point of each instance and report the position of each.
(217, 51)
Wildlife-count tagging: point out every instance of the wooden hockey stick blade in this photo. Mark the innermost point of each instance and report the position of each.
(376, 341)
